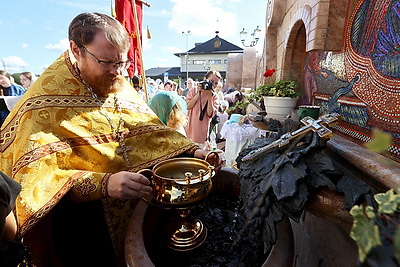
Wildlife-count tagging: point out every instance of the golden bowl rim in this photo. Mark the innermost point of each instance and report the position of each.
(204, 162)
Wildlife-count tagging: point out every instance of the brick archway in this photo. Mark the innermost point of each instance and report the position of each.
(295, 46)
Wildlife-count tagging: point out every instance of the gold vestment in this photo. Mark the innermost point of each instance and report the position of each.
(55, 141)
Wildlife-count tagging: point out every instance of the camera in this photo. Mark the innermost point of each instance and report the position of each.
(206, 85)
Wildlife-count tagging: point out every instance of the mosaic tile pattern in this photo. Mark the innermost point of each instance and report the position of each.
(362, 83)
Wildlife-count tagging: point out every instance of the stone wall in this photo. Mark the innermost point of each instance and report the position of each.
(234, 71)
(243, 70)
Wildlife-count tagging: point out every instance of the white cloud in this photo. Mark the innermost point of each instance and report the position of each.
(146, 44)
(157, 13)
(14, 64)
(59, 47)
(25, 46)
(202, 18)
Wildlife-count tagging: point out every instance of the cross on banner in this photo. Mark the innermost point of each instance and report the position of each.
(311, 125)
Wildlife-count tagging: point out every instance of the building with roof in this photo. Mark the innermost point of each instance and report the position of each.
(194, 63)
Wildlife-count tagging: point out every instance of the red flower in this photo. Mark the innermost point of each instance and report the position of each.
(269, 73)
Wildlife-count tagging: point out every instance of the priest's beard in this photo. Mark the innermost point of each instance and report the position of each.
(106, 84)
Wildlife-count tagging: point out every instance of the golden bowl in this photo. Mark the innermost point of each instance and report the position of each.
(180, 182)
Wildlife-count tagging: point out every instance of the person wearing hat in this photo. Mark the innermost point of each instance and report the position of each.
(171, 109)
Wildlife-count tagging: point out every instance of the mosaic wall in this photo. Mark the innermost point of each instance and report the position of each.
(363, 82)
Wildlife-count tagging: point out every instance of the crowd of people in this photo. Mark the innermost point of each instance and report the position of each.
(205, 109)
(78, 137)
(8, 87)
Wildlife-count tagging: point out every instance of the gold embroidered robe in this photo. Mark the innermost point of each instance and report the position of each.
(55, 141)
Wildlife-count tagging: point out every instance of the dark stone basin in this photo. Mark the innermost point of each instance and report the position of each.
(144, 244)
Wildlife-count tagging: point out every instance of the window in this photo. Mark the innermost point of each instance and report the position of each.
(217, 44)
(199, 62)
(215, 61)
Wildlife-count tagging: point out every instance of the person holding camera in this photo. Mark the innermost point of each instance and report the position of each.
(202, 105)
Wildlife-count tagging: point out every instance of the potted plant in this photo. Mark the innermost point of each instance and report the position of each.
(279, 98)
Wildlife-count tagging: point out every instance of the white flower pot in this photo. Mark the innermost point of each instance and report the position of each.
(279, 108)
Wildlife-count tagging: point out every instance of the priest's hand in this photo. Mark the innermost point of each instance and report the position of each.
(128, 185)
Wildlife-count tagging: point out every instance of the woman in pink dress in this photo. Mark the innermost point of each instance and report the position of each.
(202, 105)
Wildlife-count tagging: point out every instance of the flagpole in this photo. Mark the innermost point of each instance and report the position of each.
(145, 3)
(140, 48)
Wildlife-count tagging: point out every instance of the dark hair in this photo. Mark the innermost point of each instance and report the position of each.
(5, 73)
(169, 82)
(135, 81)
(216, 73)
(84, 27)
(27, 74)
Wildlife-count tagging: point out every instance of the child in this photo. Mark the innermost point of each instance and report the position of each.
(223, 116)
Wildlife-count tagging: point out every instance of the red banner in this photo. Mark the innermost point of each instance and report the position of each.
(126, 15)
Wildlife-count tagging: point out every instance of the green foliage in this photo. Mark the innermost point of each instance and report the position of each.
(364, 230)
(377, 227)
(380, 141)
(16, 78)
(283, 88)
(388, 202)
(241, 104)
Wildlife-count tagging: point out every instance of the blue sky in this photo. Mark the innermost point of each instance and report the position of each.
(34, 33)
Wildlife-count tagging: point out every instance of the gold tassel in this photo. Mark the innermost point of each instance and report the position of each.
(148, 32)
(113, 13)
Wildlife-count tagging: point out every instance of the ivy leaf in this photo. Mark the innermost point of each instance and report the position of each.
(380, 141)
(388, 202)
(364, 230)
